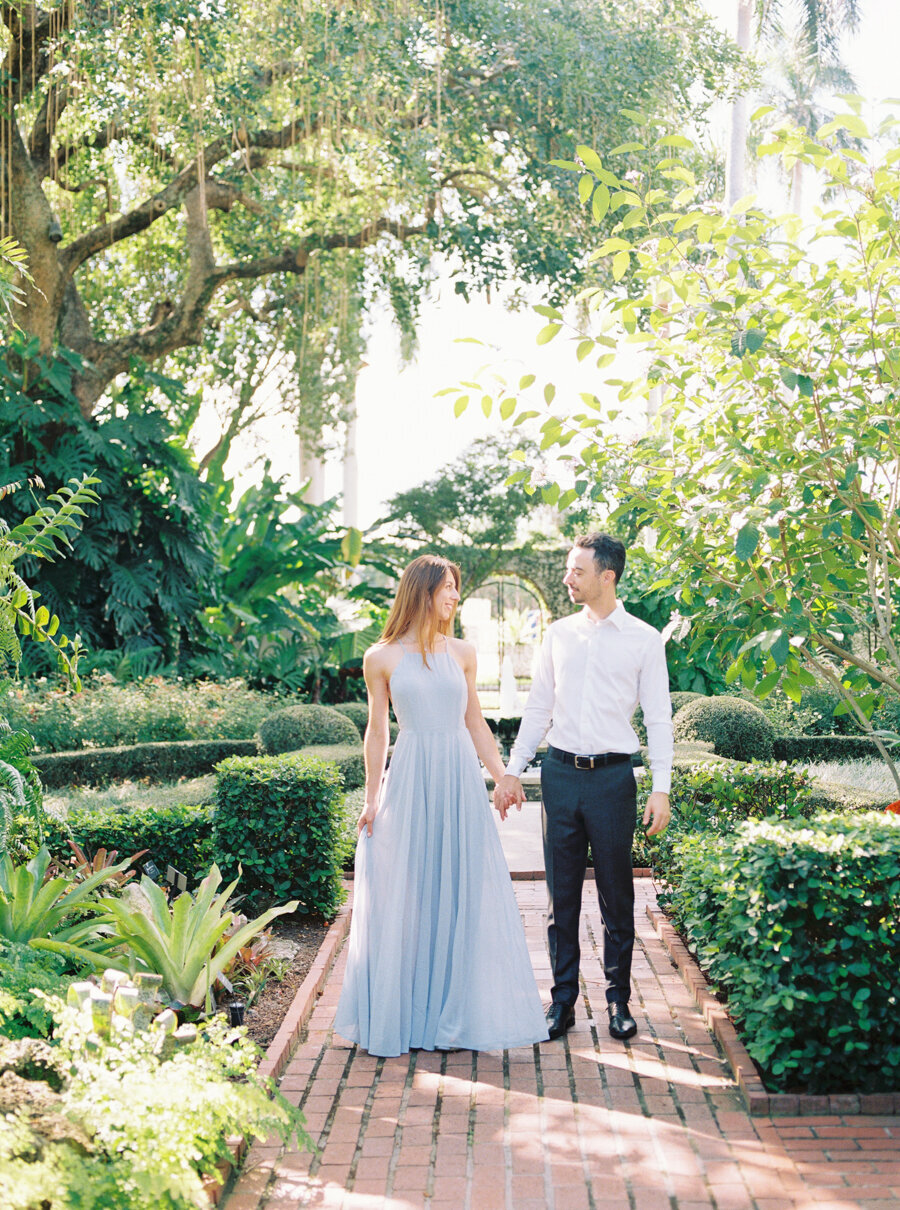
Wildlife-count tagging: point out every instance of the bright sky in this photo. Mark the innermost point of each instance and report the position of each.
(405, 434)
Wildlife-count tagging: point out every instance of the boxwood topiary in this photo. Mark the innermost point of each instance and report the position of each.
(737, 729)
(679, 698)
(297, 727)
(358, 712)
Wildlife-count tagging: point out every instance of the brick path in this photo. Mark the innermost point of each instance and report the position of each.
(584, 1124)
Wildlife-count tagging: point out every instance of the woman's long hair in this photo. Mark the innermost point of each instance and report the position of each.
(413, 609)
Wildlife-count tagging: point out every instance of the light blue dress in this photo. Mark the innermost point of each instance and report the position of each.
(437, 956)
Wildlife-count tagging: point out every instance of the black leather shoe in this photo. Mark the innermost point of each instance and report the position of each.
(621, 1023)
(560, 1018)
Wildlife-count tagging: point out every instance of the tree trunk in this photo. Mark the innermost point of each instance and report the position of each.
(736, 160)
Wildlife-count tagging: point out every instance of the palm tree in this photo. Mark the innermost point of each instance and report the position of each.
(822, 22)
(797, 85)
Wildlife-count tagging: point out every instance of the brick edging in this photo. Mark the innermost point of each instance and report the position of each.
(760, 1102)
(282, 1045)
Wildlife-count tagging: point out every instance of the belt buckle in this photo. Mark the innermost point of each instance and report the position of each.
(588, 759)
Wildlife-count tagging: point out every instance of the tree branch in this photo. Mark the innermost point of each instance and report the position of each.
(182, 324)
(28, 56)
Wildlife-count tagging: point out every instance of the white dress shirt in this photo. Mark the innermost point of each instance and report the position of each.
(590, 678)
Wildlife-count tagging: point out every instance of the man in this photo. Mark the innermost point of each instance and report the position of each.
(594, 668)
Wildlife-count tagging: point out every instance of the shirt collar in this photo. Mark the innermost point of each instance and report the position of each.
(616, 618)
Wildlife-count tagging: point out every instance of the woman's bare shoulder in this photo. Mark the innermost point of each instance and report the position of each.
(462, 649)
(382, 657)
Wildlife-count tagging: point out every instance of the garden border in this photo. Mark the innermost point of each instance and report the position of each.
(280, 1049)
(759, 1101)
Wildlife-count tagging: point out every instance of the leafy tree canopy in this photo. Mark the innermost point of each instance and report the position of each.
(197, 180)
(773, 475)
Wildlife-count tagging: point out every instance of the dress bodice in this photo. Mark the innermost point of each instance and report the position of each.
(430, 696)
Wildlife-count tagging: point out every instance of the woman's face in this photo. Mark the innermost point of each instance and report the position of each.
(445, 598)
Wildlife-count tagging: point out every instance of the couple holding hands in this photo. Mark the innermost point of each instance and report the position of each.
(437, 958)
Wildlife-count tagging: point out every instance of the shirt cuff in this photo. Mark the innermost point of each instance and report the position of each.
(516, 766)
(662, 782)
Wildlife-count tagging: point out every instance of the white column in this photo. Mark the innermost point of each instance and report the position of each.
(313, 469)
(351, 474)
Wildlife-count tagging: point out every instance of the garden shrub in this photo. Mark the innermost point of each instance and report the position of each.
(25, 971)
(180, 835)
(358, 713)
(349, 760)
(797, 922)
(158, 762)
(278, 824)
(351, 808)
(736, 728)
(715, 796)
(824, 747)
(108, 715)
(679, 698)
(304, 726)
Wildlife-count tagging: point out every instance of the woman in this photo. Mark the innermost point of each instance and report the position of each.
(437, 957)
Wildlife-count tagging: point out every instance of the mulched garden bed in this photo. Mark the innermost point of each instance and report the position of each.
(267, 1011)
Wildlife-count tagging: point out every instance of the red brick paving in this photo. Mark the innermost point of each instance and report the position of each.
(581, 1124)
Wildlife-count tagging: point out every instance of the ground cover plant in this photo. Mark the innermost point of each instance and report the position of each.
(114, 1119)
(106, 714)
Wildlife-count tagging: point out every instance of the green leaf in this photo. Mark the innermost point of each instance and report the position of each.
(589, 157)
(620, 264)
(460, 406)
(806, 385)
(351, 547)
(600, 202)
(746, 542)
(788, 377)
(547, 333)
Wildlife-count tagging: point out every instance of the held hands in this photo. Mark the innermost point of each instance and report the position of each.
(507, 791)
(367, 818)
(658, 811)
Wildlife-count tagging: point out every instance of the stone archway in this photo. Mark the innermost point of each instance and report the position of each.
(541, 569)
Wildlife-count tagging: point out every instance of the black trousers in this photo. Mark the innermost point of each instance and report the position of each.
(596, 806)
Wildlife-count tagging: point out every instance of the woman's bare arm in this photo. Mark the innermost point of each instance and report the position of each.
(482, 736)
(377, 668)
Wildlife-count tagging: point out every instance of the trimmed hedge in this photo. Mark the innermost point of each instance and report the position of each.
(158, 762)
(814, 748)
(180, 836)
(349, 759)
(715, 796)
(736, 728)
(797, 923)
(303, 727)
(278, 824)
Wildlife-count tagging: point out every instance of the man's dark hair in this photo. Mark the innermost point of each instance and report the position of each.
(609, 553)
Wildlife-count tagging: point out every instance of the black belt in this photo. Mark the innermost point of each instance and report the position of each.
(587, 762)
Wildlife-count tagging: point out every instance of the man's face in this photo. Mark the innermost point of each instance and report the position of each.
(583, 578)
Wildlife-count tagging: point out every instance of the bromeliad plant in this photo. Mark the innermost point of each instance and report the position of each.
(38, 910)
(179, 941)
